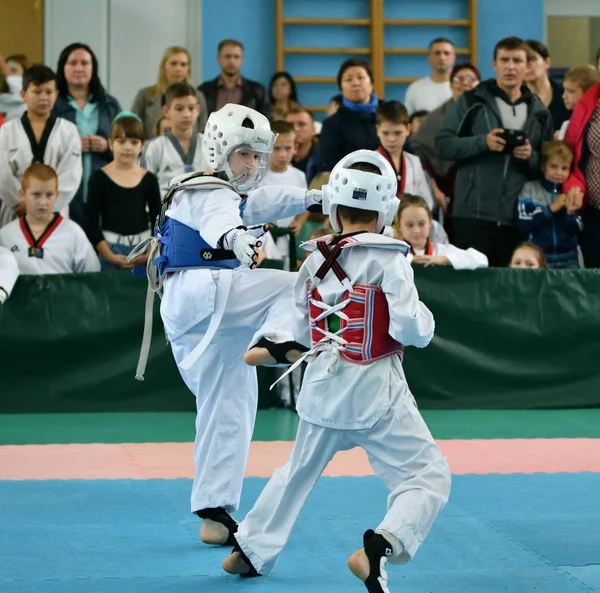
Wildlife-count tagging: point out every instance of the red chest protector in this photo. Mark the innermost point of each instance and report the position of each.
(363, 314)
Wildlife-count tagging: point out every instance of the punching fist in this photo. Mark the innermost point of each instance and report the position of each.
(245, 247)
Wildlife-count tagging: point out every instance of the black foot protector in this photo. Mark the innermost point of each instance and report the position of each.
(278, 351)
(220, 515)
(252, 572)
(378, 550)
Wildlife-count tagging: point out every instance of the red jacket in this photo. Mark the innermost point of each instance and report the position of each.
(575, 137)
(1, 119)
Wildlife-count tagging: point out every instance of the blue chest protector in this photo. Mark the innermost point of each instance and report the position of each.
(174, 246)
(182, 248)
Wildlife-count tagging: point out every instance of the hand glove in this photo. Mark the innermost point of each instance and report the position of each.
(314, 200)
(3, 296)
(245, 246)
(257, 230)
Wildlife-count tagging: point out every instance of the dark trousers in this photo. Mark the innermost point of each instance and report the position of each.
(497, 242)
(590, 237)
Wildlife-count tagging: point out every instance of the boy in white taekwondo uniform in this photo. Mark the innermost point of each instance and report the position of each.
(213, 308)
(42, 241)
(179, 150)
(358, 307)
(38, 136)
(9, 272)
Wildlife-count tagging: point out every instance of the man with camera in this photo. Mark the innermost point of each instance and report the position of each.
(495, 134)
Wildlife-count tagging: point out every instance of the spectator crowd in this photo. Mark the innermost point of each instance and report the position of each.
(503, 171)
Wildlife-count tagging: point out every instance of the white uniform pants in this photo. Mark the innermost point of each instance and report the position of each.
(226, 389)
(402, 453)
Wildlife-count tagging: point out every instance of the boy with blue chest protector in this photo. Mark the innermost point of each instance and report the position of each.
(215, 305)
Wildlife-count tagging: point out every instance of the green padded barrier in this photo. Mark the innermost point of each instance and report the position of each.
(505, 339)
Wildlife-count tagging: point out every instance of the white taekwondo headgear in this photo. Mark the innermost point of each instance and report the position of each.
(362, 190)
(224, 134)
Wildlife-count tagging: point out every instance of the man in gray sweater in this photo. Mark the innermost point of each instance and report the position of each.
(495, 134)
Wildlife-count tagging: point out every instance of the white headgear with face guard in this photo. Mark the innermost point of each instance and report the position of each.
(227, 142)
(362, 190)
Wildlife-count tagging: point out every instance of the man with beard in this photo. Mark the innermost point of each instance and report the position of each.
(230, 86)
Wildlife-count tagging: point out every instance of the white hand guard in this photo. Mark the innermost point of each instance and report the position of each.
(245, 246)
(257, 230)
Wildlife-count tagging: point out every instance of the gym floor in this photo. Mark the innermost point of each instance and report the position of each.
(100, 502)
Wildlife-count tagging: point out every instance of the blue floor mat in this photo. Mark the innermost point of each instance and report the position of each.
(517, 533)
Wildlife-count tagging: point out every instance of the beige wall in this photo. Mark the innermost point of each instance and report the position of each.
(22, 28)
(594, 36)
(569, 40)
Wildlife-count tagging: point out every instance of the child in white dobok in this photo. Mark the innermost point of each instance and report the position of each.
(358, 308)
(214, 306)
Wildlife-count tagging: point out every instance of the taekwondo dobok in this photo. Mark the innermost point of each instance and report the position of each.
(357, 308)
(215, 306)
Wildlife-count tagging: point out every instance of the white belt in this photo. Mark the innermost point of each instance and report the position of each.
(130, 240)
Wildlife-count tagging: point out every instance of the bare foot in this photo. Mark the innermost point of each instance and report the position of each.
(213, 533)
(234, 564)
(358, 563)
(258, 357)
(261, 356)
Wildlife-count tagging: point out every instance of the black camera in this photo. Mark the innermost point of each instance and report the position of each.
(513, 139)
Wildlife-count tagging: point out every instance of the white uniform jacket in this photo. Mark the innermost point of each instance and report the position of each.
(357, 396)
(59, 148)
(164, 157)
(189, 296)
(65, 248)
(460, 259)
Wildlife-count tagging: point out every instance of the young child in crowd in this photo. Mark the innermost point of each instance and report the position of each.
(42, 241)
(528, 256)
(414, 227)
(546, 214)
(282, 173)
(38, 136)
(576, 83)
(179, 150)
(354, 391)
(393, 130)
(415, 120)
(162, 126)
(123, 198)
